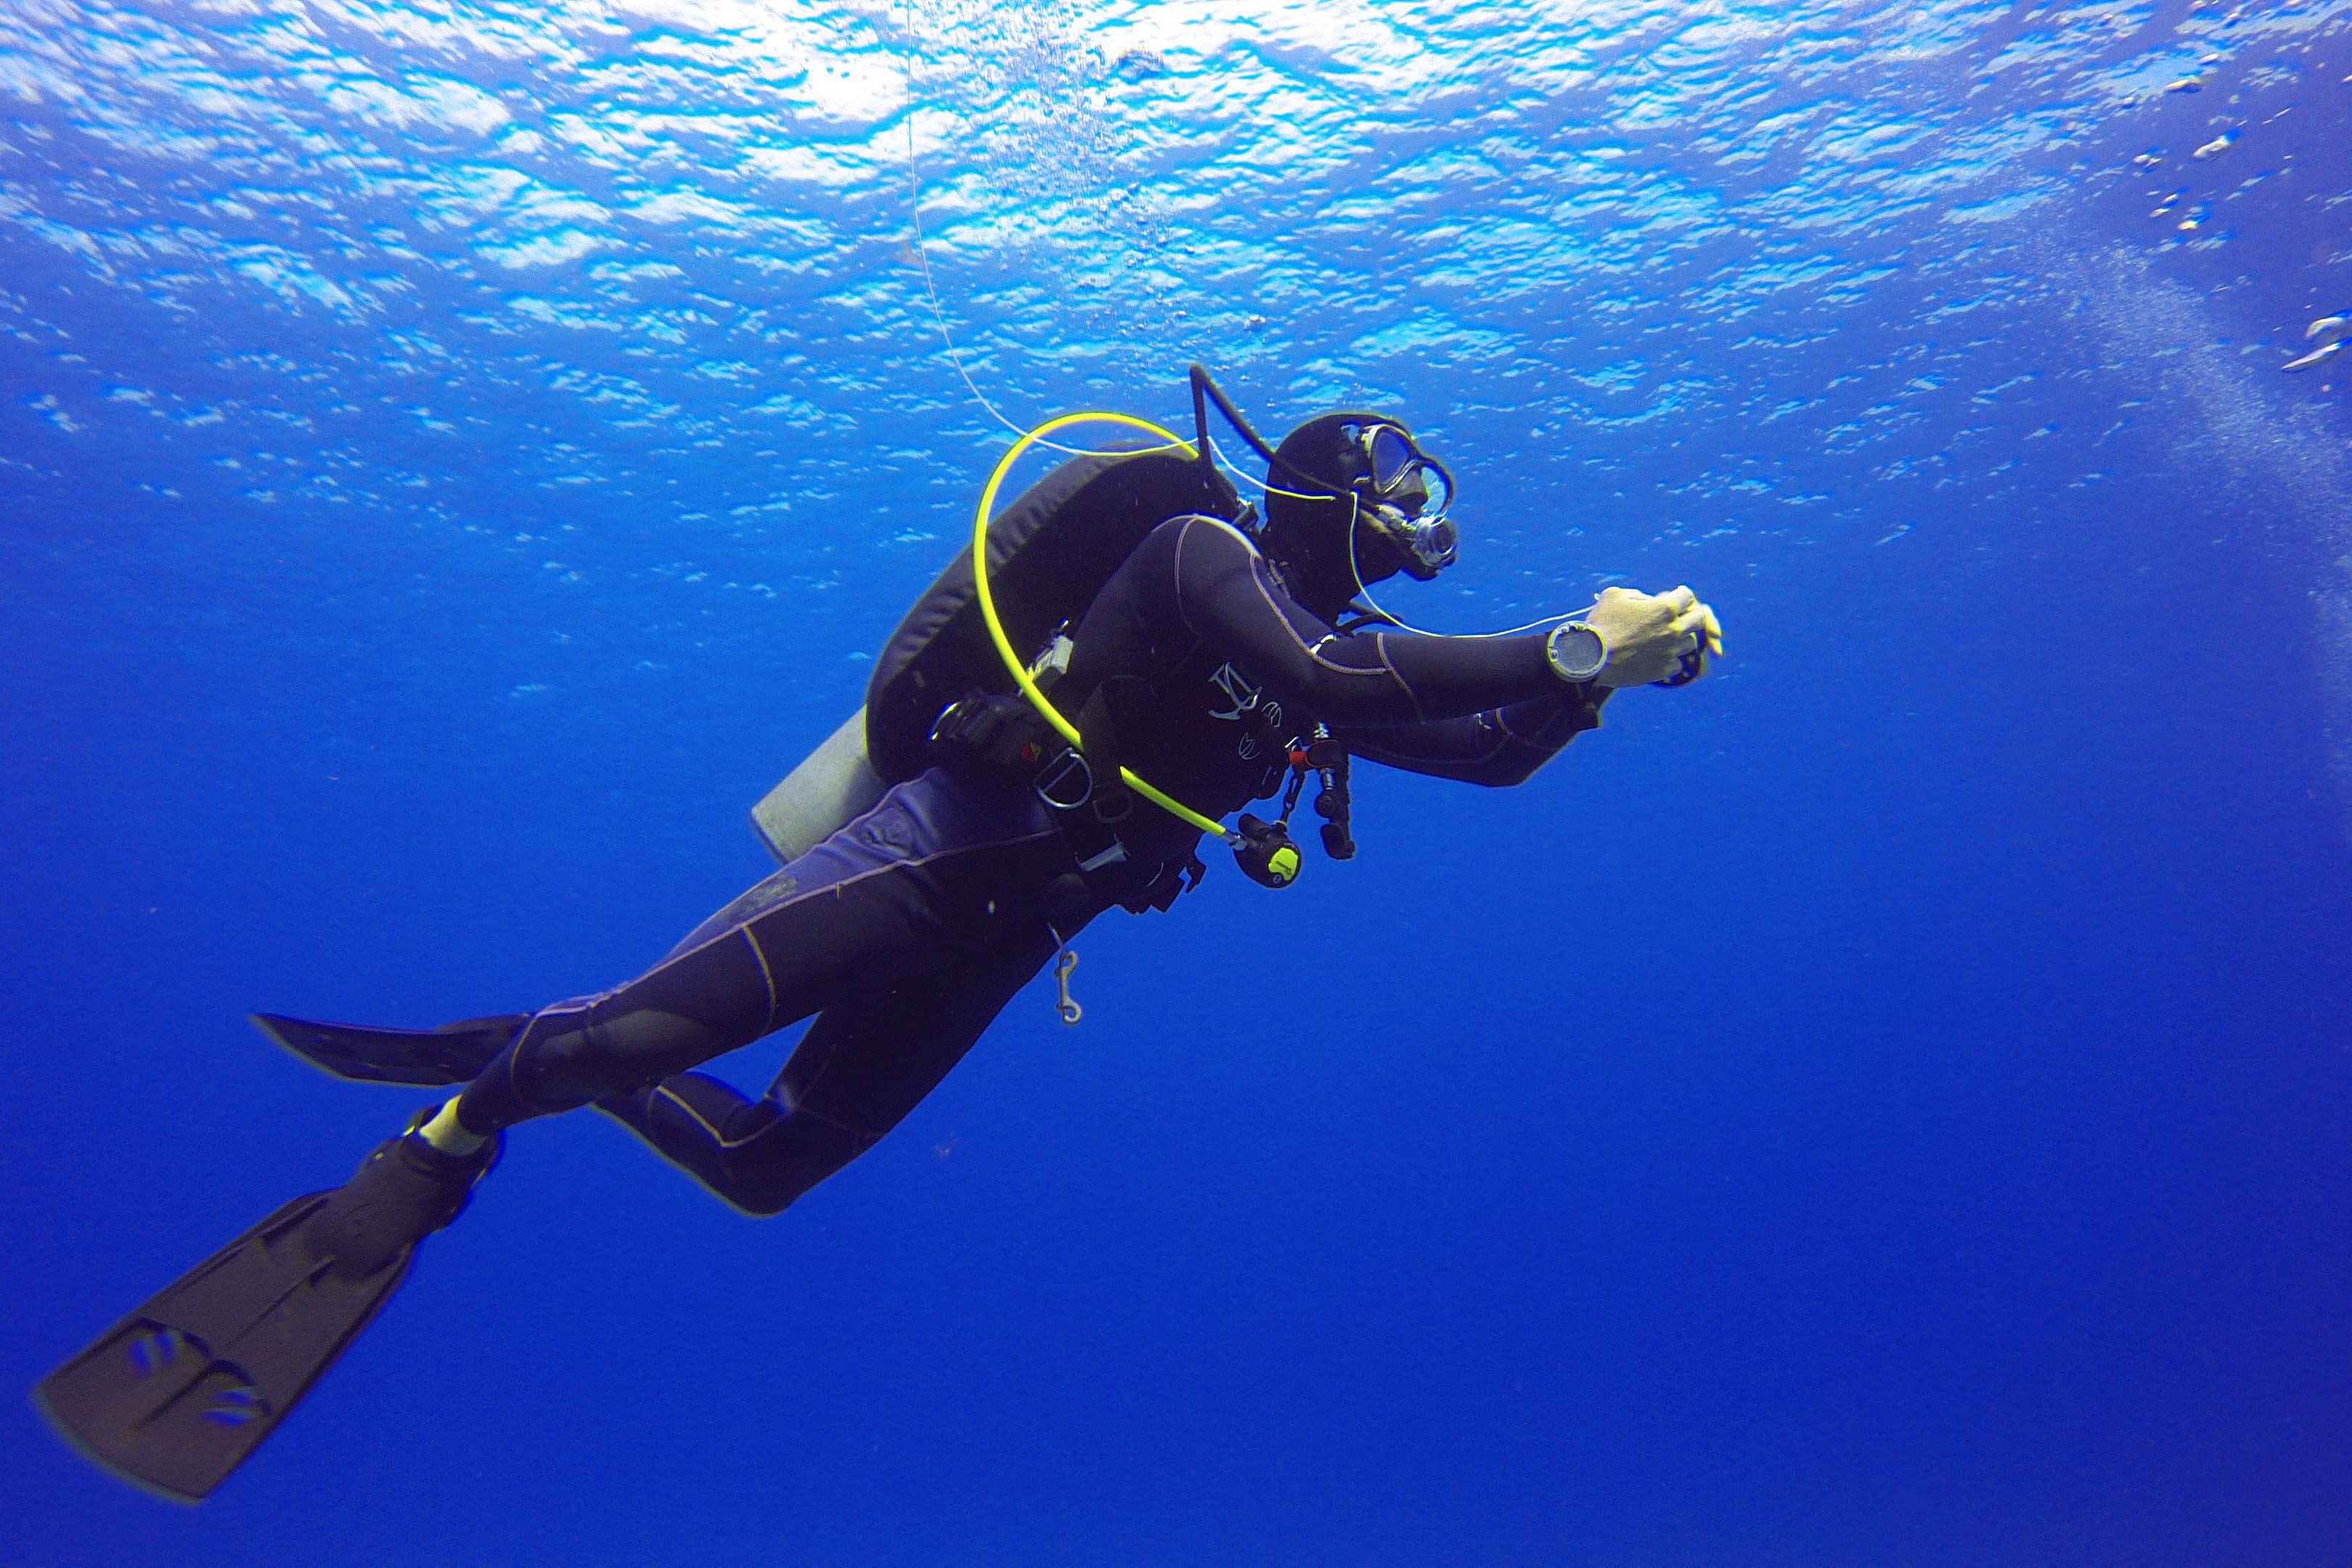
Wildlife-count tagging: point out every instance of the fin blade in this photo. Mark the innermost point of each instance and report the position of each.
(174, 1397)
(422, 1058)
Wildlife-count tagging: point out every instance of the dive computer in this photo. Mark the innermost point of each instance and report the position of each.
(1577, 652)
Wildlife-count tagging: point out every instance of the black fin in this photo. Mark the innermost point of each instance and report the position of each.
(425, 1058)
(178, 1395)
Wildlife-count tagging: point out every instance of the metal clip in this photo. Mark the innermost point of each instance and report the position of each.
(1070, 1010)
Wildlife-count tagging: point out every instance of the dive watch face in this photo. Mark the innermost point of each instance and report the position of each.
(1577, 651)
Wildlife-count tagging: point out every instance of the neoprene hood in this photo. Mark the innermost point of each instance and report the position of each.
(1309, 538)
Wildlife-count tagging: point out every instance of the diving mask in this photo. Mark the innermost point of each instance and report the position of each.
(1412, 492)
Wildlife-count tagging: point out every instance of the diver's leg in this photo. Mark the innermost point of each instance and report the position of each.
(939, 871)
(765, 894)
(865, 1064)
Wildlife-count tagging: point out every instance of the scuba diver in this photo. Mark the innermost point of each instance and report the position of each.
(1127, 655)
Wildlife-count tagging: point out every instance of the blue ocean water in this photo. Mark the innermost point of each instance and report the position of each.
(1886, 1104)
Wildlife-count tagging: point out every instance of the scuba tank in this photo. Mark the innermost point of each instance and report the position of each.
(832, 787)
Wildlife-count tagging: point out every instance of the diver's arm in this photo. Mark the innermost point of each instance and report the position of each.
(1497, 748)
(1228, 599)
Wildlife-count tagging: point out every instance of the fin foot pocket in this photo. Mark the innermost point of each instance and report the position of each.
(402, 1191)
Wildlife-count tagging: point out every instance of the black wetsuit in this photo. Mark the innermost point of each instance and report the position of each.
(907, 930)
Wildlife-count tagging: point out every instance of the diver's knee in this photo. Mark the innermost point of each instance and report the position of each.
(773, 1179)
(761, 1199)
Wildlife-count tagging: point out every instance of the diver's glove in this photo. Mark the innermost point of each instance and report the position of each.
(1655, 639)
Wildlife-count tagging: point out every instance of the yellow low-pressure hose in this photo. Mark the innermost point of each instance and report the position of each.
(1005, 649)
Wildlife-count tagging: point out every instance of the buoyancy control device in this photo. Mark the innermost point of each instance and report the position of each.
(1050, 553)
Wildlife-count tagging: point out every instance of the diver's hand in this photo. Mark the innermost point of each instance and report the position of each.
(1648, 634)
